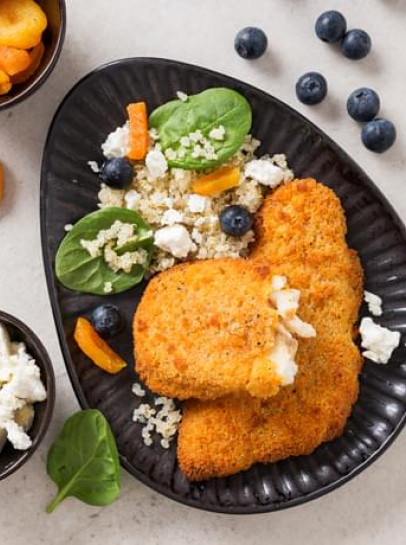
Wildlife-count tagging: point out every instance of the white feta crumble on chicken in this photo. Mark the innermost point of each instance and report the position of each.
(20, 387)
(94, 167)
(156, 164)
(283, 356)
(379, 342)
(117, 143)
(138, 390)
(171, 216)
(196, 203)
(183, 97)
(174, 239)
(374, 303)
(218, 133)
(265, 172)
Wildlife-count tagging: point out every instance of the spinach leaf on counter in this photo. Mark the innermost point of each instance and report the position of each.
(77, 270)
(83, 461)
(205, 111)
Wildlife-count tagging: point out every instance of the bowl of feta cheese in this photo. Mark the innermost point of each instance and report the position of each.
(27, 393)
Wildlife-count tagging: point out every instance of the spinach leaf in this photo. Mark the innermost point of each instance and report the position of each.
(77, 270)
(83, 461)
(204, 112)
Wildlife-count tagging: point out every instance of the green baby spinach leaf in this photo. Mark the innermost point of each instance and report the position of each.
(83, 461)
(77, 270)
(206, 111)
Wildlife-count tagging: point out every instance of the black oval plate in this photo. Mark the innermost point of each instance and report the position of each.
(95, 107)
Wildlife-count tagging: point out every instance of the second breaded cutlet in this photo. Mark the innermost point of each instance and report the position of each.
(301, 234)
(207, 329)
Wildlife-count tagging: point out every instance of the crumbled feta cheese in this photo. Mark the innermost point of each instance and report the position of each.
(94, 166)
(132, 199)
(183, 97)
(138, 390)
(218, 133)
(196, 203)
(300, 328)
(20, 385)
(380, 342)
(196, 136)
(108, 287)
(374, 303)
(278, 282)
(154, 134)
(286, 302)
(171, 216)
(283, 356)
(68, 227)
(175, 240)
(265, 172)
(117, 143)
(156, 163)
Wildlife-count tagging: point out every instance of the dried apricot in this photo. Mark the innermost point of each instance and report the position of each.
(139, 137)
(96, 348)
(22, 23)
(36, 55)
(13, 60)
(5, 83)
(221, 179)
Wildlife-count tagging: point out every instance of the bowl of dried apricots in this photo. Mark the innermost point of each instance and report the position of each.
(31, 39)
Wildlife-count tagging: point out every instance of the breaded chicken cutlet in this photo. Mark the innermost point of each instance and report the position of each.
(301, 234)
(207, 329)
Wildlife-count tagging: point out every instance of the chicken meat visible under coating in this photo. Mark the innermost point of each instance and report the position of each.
(301, 234)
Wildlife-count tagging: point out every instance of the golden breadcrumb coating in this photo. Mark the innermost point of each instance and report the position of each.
(301, 234)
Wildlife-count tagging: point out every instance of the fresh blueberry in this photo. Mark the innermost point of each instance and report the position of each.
(356, 44)
(117, 173)
(251, 42)
(331, 26)
(235, 220)
(311, 88)
(363, 104)
(107, 320)
(378, 135)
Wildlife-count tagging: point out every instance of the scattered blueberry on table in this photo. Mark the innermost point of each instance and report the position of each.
(363, 104)
(356, 44)
(107, 320)
(235, 220)
(311, 88)
(331, 26)
(117, 173)
(251, 43)
(378, 135)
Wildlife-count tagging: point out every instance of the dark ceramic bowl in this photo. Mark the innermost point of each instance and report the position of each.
(53, 38)
(11, 459)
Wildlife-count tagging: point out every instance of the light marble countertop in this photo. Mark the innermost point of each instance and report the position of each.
(370, 509)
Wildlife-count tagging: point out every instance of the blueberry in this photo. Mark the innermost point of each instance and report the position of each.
(311, 88)
(235, 220)
(117, 173)
(356, 44)
(107, 320)
(331, 26)
(363, 104)
(251, 42)
(378, 135)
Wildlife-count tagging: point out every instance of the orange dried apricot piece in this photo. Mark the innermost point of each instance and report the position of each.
(22, 23)
(36, 55)
(139, 137)
(13, 60)
(96, 348)
(5, 83)
(221, 179)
